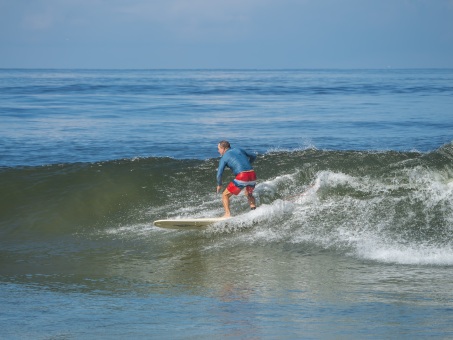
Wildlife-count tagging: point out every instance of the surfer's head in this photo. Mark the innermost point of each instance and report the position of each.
(223, 146)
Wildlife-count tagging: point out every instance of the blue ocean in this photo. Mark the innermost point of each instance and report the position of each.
(352, 237)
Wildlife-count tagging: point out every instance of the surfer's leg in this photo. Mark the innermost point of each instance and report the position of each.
(226, 202)
(250, 197)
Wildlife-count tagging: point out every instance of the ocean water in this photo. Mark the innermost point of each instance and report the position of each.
(353, 236)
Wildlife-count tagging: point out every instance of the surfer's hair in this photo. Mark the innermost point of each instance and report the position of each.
(224, 144)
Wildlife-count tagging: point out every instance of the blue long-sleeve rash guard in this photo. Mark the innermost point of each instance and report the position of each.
(238, 160)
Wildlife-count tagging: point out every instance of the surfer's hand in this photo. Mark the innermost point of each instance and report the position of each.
(219, 187)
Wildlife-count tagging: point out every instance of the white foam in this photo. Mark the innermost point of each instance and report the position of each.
(303, 146)
(129, 231)
(370, 220)
(415, 254)
(264, 225)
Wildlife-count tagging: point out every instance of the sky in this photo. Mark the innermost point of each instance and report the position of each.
(228, 34)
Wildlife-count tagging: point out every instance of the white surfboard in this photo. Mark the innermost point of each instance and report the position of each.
(188, 223)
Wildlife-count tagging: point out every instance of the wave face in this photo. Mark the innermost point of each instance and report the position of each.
(390, 207)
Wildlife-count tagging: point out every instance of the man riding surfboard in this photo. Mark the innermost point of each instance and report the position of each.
(239, 161)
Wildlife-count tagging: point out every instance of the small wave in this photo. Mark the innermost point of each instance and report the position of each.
(386, 206)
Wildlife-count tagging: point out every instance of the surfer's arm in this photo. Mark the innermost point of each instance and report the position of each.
(222, 165)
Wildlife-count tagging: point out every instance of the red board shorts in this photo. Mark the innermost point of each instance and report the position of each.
(245, 179)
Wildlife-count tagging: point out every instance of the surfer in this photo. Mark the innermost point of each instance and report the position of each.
(239, 161)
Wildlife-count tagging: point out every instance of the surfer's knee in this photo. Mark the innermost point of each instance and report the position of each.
(249, 194)
(226, 193)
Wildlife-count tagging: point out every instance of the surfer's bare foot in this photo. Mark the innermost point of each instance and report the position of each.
(226, 216)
